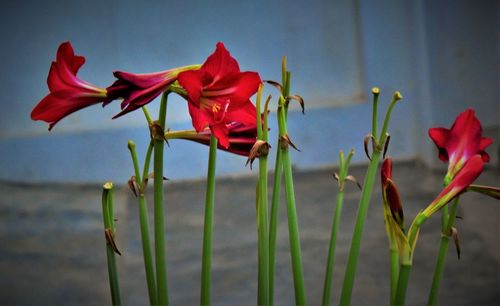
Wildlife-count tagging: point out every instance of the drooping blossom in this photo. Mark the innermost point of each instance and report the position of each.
(390, 193)
(462, 141)
(219, 94)
(241, 137)
(68, 93)
(137, 90)
(461, 181)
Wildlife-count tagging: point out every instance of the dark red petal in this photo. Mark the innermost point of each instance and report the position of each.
(386, 171)
(192, 81)
(198, 117)
(143, 80)
(220, 63)
(394, 200)
(440, 136)
(221, 132)
(245, 114)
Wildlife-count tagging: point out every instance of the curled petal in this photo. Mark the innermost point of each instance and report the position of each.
(260, 148)
(68, 93)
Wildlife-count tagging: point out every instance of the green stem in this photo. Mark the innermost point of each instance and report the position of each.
(278, 170)
(144, 225)
(395, 98)
(147, 115)
(327, 285)
(108, 218)
(293, 226)
(404, 276)
(262, 215)
(345, 298)
(394, 258)
(443, 251)
(159, 222)
(343, 171)
(206, 273)
(376, 93)
(262, 212)
(147, 160)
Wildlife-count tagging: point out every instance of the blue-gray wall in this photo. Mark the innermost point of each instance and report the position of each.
(442, 55)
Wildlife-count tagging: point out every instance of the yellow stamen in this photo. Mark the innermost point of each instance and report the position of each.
(216, 108)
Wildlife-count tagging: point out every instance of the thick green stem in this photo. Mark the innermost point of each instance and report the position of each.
(404, 276)
(273, 233)
(159, 222)
(108, 218)
(443, 251)
(293, 225)
(394, 258)
(144, 225)
(327, 285)
(262, 211)
(206, 266)
(345, 298)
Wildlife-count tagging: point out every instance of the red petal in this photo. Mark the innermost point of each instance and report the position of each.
(220, 63)
(440, 136)
(192, 81)
(221, 132)
(143, 80)
(485, 142)
(466, 176)
(66, 55)
(245, 114)
(386, 170)
(56, 106)
(394, 200)
(198, 117)
(246, 86)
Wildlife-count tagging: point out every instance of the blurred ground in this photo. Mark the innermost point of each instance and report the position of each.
(52, 243)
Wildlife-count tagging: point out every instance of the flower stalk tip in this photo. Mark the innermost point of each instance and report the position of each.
(107, 186)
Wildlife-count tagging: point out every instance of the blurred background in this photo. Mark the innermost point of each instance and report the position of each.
(442, 55)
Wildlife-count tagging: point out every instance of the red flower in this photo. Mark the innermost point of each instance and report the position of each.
(465, 177)
(390, 193)
(461, 142)
(219, 94)
(68, 93)
(241, 137)
(138, 90)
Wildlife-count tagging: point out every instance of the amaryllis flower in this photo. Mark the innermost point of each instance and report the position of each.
(219, 94)
(68, 93)
(461, 142)
(241, 137)
(463, 179)
(390, 193)
(138, 90)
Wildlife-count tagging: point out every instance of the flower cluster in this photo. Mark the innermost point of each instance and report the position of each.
(217, 92)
